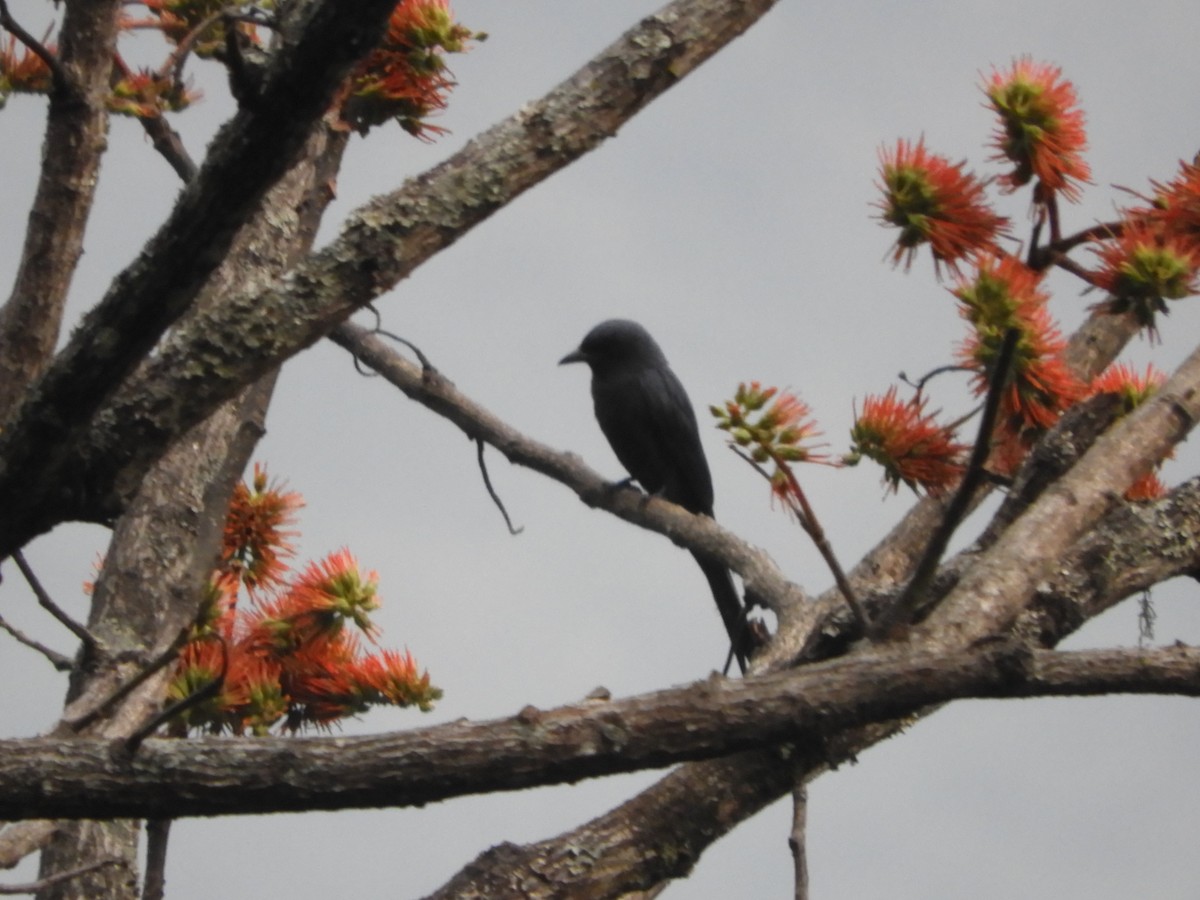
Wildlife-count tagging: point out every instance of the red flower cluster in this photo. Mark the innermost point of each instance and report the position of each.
(1154, 254)
(147, 94)
(1005, 294)
(934, 201)
(22, 71)
(1041, 129)
(1134, 388)
(775, 433)
(908, 442)
(290, 657)
(200, 24)
(405, 78)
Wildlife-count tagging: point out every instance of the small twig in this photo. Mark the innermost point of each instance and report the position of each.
(53, 608)
(799, 506)
(1069, 265)
(155, 665)
(919, 385)
(205, 693)
(798, 839)
(487, 482)
(154, 885)
(57, 72)
(169, 144)
(426, 366)
(59, 661)
(1052, 212)
(903, 610)
(34, 887)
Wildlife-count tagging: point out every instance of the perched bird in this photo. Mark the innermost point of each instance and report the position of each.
(645, 413)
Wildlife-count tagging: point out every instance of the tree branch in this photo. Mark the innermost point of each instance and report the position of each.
(1001, 583)
(221, 350)
(76, 137)
(692, 532)
(38, 446)
(85, 778)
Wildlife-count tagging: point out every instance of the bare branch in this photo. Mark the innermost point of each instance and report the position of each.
(59, 661)
(1002, 582)
(382, 243)
(46, 602)
(76, 137)
(762, 577)
(905, 608)
(247, 157)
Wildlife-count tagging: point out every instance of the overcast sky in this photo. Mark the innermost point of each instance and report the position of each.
(732, 217)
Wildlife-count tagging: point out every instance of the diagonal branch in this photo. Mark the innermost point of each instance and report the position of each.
(215, 353)
(249, 154)
(692, 532)
(75, 140)
(1000, 584)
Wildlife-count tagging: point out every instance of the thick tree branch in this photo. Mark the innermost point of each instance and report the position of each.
(1000, 584)
(76, 136)
(87, 778)
(681, 815)
(220, 351)
(38, 450)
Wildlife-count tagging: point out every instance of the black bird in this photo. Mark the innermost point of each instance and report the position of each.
(645, 413)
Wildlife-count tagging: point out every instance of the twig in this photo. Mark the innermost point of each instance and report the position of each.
(154, 885)
(1069, 265)
(158, 663)
(1052, 213)
(902, 611)
(798, 503)
(34, 887)
(919, 385)
(59, 661)
(487, 482)
(797, 839)
(169, 144)
(208, 691)
(426, 366)
(9, 24)
(53, 608)
(427, 369)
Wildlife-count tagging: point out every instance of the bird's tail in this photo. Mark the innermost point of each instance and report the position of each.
(733, 613)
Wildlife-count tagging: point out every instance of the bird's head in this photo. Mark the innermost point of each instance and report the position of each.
(617, 342)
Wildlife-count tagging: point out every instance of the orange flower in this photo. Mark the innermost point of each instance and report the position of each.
(391, 677)
(256, 534)
(777, 433)
(1143, 268)
(934, 201)
(1134, 389)
(335, 585)
(405, 78)
(22, 72)
(1176, 206)
(148, 94)
(289, 657)
(179, 20)
(910, 445)
(1005, 294)
(1041, 131)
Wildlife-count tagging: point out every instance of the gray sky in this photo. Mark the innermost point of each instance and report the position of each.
(732, 218)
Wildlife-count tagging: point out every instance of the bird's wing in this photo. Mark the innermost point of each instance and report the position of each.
(649, 421)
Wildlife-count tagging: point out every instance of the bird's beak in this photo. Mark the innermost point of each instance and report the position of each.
(573, 356)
